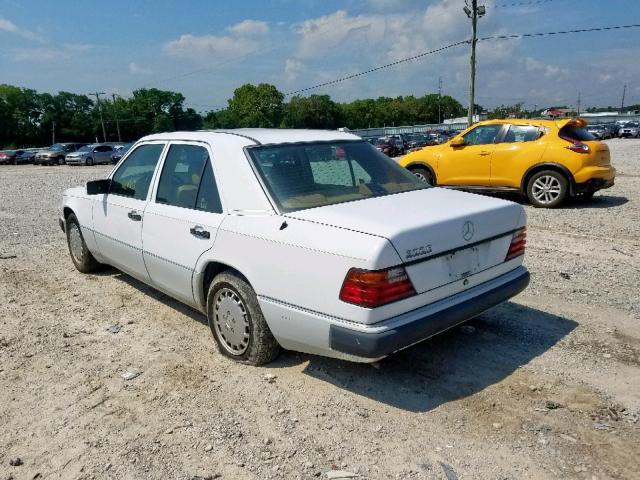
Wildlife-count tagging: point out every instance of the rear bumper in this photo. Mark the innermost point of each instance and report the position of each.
(593, 185)
(382, 343)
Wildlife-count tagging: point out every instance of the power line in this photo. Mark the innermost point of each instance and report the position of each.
(381, 67)
(457, 44)
(521, 4)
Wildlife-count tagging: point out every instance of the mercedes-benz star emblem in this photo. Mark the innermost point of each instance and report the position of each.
(468, 230)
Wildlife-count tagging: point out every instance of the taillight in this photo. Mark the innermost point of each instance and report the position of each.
(518, 243)
(578, 147)
(375, 288)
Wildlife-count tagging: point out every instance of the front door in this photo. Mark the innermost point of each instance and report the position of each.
(514, 154)
(182, 219)
(118, 215)
(469, 164)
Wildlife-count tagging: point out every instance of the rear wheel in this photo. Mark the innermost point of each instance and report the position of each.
(89, 161)
(423, 174)
(80, 254)
(547, 189)
(237, 323)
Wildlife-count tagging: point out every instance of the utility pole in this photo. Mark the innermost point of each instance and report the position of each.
(474, 12)
(53, 132)
(97, 95)
(115, 108)
(578, 103)
(439, 100)
(624, 94)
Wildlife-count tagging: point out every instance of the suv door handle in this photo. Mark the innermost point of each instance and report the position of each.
(134, 215)
(198, 231)
(485, 153)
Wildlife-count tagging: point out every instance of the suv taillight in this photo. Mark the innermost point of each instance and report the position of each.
(518, 243)
(578, 147)
(372, 289)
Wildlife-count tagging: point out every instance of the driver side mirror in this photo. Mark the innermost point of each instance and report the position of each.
(97, 187)
(457, 142)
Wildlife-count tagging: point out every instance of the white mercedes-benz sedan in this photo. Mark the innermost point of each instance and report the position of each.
(306, 240)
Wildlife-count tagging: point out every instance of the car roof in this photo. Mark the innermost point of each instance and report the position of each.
(265, 136)
(577, 122)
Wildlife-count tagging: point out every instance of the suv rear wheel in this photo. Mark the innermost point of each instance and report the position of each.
(547, 189)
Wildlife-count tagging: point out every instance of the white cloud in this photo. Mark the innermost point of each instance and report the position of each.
(549, 71)
(138, 69)
(292, 69)
(249, 27)
(10, 27)
(50, 54)
(243, 38)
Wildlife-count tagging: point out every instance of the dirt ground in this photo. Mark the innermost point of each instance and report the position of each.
(544, 386)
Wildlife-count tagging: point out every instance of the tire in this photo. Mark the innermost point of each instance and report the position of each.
(89, 162)
(80, 254)
(424, 175)
(231, 303)
(547, 189)
(61, 161)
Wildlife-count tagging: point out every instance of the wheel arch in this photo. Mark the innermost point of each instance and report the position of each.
(210, 270)
(557, 167)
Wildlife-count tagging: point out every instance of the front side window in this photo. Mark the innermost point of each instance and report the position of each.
(187, 179)
(521, 133)
(482, 135)
(133, 177)
(315, 174)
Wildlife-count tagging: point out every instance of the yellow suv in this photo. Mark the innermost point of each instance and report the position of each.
(545, 160)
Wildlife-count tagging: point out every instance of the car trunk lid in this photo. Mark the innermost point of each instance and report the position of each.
(441, 235)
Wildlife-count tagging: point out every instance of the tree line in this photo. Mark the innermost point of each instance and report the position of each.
(29, 118)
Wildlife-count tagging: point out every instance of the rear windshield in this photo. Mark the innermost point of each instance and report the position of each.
(576, 134)
(312, 175)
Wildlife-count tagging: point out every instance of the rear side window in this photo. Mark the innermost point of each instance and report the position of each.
(187, 180)
(521, 133)
(576, 134)
(133, 177)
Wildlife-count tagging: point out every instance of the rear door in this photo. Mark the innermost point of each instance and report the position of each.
(103, 153)
(469, 164)
(118, 215)
(182, 219)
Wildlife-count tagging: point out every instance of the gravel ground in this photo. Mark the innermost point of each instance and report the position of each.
(545, 386)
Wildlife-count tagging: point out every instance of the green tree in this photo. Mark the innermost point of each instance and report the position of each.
(256, 106)
(315, 111)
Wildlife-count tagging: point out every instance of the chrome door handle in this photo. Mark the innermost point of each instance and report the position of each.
(198, 231)
(134, 215)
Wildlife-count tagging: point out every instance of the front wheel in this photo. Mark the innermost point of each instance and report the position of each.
(80, 254)
(547, 189)
(89, 162)
(424, 175)
(237, 323)
(61, 161)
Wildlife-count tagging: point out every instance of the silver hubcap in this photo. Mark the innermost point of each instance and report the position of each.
(75, 242)
(230, 321)
(422, 177)
(546, 189)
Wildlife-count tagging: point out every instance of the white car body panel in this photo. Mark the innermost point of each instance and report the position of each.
(296, 262)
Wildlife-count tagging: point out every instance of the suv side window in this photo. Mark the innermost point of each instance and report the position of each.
(521, 133)
(133, 177)
(187, 179)
(482, 135)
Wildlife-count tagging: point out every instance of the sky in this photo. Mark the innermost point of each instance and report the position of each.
(207, 48)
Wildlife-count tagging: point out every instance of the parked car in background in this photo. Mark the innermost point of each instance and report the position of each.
(601, 132)
(416, 141)
(27, 155)
(629, 130)
(390, 146)
(119, 153)
(363, 258)
(90, 155)
(7, 157)
(55, 154)
(548, 161)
